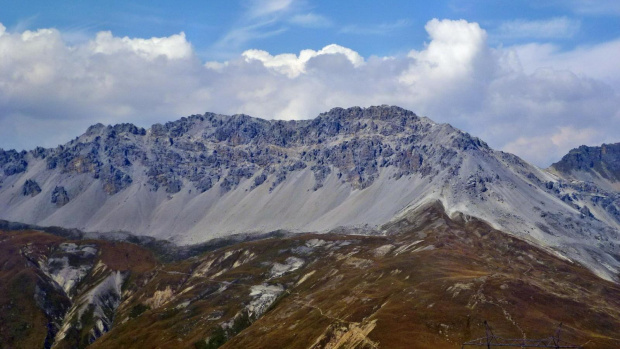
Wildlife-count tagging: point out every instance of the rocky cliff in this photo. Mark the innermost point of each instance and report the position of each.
(597, 164)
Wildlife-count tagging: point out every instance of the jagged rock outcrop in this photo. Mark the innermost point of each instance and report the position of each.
(199, 149)
(592, 176)
(603, 161)
(60, 196)
(31, 188)
(12, 162)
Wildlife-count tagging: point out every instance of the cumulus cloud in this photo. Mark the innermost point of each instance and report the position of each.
(519, 99)
(49, 87)
(173, 47)
(292, 65)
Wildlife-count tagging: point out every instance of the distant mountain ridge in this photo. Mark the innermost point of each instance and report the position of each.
(599, 164)
(351, 170)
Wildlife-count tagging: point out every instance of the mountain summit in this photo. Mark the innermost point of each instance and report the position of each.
(353, 170)
(594, 164)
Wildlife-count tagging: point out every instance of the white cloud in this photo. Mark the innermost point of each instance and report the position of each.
(292, 65)
(553, 28)
(557, 141)
(24, 24)
(237, 37)
(534, 99)
(261, 19)
(260, 8)
(44, 82)
(310, 20)
(455, 52)
(596, 61)
(172, 47)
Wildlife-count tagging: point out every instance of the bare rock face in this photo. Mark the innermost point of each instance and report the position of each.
(593, 176)
(31, 188)
(12, 162)
(207, 149)
(203, 150)
(603, 161)
(60, 196)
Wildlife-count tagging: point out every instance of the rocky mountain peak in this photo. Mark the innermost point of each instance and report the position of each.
(123, 128)
(383, 112)
(603, 161)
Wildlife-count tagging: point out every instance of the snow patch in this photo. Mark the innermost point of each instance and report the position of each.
(291, 264)
(383, 250)
(71, 266)
(263, 296)
(458, 287)
(404, 248)
(315, 243)
(104, 298)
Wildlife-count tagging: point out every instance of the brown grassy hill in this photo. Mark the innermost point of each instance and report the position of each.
(430, 283)
(22, 323)
(35, 295)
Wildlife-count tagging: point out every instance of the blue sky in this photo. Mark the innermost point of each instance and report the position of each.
(531, 77)
(369, 27)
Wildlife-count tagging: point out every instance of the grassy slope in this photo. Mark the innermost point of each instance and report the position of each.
(435, 293)
(22, 322)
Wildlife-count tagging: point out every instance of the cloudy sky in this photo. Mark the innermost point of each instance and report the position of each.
(535, 78)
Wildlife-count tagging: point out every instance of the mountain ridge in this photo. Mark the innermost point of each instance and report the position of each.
(598, 164)
(354, 169)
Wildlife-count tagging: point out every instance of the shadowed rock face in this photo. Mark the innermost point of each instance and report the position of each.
(31, 188)
(12, 162)
(593, 174)
(60, 196)
(603, 161)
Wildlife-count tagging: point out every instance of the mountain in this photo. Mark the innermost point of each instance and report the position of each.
(429, 282)
(353, 170)
(600, 165)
